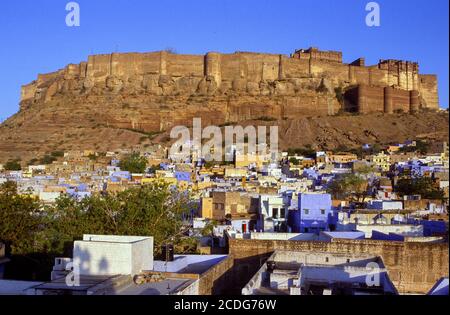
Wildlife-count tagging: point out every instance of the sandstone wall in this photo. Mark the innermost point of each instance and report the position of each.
(429, 90)
(413, 267)
(378, 99)
(218, 279)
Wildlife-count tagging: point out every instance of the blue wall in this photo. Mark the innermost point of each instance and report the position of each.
(314, 220)
(183, 176)
(431, 228)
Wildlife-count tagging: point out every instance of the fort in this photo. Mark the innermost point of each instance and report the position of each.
(240, 86)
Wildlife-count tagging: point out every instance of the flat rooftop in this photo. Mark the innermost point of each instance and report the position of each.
(188, 264)
(166, 287)
(114, 285)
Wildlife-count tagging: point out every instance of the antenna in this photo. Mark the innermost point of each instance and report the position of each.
(167, 261)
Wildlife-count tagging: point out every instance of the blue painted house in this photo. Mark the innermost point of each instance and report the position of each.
(313, 214)
(183, 176)
(122, 175)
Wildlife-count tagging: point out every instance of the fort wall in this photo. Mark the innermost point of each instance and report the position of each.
(388, 99)
(413, 267)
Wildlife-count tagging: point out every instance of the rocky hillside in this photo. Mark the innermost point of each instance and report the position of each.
(71, 126)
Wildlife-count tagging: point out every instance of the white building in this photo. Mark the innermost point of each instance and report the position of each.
(272, 213)
(113, 255)
(386, 205)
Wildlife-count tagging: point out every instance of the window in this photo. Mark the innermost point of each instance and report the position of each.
(275, 212)
(283, 213)
(306, 211)
(322, 211)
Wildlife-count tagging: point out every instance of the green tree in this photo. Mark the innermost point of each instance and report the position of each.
(294, 161)
(151, 210)
(133, 163)
(20, 219)
(423, 186)
(208, 229)
(13, 166)
(35, 234)
(349, 186)
(421, 146)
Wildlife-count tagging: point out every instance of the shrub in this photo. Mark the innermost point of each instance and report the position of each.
(266, 118)
(13, 166)
(47, 159)
(133, 163)
(57, 154)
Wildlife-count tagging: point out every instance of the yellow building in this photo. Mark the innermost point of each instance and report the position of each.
(343, 158)
(214, 171)
(245, 160)
(203, 185)
(167, 180)
(227, 204)
(235, 172)
(393, 148)
(382, 161)
(206, 208)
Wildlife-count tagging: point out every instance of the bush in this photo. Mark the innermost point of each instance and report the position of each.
(13, 166)
(306, 152)
(133, 163)
(47, 159)
(33, 161)
(266, 118)
(57, 154)
(421, 147)
(423, 186)
(294, 161)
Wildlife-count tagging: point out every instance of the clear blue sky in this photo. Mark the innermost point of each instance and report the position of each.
(35, 39)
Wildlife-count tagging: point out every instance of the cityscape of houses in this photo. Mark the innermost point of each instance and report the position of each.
(297, 207)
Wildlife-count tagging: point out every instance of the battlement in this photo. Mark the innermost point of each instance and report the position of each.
(314, 53)
(398, 65)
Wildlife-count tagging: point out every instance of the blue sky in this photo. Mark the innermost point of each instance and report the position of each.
(35, 39)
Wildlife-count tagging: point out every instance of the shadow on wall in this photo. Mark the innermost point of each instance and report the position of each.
(243, 271)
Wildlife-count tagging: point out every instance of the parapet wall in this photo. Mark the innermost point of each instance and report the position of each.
(412, 267)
